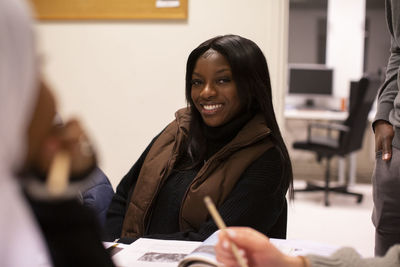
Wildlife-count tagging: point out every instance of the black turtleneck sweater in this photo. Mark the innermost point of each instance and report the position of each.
(260, 181)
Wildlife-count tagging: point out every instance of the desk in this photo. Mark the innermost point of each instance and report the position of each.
(168, 253)
(327, 115)
(310, 114)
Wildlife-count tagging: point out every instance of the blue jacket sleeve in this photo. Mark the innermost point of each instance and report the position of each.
(98, 194)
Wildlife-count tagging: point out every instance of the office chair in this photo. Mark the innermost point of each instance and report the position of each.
(348, 138)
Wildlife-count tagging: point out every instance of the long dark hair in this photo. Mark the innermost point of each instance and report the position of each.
(250, 73)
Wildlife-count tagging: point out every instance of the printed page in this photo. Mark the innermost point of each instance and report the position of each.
(204, 253)
(154, 253)
(171, 253)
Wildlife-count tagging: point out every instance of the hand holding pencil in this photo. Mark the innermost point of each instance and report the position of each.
(65, 152)
(221, 225)
(259, 251)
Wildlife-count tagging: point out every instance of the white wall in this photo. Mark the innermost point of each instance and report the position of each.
(125, 79)
(345, 42)
(303, 34)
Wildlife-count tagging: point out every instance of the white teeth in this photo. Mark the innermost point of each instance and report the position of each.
(211, 107)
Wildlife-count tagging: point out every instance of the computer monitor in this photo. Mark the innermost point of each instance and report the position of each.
(310, 81)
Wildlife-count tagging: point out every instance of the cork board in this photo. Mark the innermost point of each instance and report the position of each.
(110, 9)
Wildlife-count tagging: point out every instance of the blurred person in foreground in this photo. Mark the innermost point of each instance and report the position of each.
(38, 228)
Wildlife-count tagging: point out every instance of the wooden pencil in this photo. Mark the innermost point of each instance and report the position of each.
(221, 225)
(58, 176)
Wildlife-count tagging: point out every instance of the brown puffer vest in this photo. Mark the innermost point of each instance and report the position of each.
(216, 178)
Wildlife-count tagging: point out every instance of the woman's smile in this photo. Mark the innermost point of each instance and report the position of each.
(210, 109)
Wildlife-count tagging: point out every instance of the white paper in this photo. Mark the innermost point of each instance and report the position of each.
(167, 3)
(167, 253)
(154, 253)
(303, 247)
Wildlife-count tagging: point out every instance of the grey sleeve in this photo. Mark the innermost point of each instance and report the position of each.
(348, 257)
(389, 89)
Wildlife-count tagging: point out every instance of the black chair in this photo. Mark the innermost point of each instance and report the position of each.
(348, 138)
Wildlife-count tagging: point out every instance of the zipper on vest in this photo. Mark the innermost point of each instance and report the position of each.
(200, 173)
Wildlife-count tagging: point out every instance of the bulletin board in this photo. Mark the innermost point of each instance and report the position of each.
(110, 9)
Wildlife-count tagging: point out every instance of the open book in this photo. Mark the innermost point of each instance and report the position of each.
(203, 255)
(173, 253)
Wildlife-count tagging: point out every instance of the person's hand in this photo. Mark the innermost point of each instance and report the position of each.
(383, 138)
(254, 246)
(72, 139)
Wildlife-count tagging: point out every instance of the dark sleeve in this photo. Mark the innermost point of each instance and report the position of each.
(390, 89)
(71, 232)
(257, 201)
(117, 209)
(98, 194)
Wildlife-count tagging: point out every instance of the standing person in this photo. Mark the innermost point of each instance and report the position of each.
(225, 144)
(386, 176)
(38, 228)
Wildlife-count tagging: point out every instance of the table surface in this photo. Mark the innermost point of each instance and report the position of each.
(315, 114)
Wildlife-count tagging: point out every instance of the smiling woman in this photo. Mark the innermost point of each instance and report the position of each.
(226, 144)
